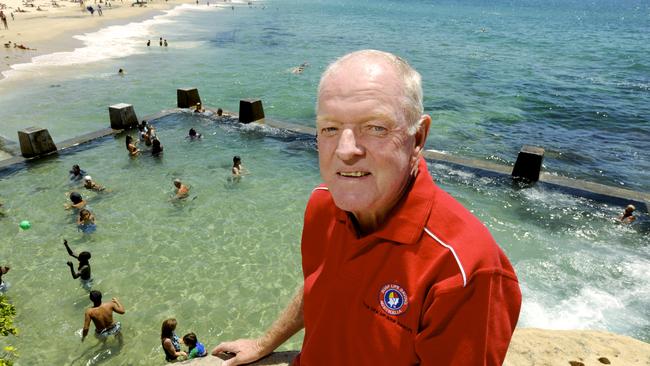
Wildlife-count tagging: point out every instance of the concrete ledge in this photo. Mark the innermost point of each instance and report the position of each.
(531, 347)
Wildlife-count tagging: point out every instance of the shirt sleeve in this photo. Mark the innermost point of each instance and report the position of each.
(469, 325)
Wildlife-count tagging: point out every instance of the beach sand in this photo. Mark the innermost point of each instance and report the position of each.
(52, 28)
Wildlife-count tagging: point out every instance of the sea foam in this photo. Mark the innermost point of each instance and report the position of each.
(112, 42)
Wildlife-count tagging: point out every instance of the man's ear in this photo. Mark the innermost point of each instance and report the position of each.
(422, 133)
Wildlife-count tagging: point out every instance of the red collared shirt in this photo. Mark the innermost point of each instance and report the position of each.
(429, 287)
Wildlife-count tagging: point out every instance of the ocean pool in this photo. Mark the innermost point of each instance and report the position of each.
(226, 261)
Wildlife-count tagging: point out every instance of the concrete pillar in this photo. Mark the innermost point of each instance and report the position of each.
(528, 164)
(122, 116)
(250, 110)
(35, 141)
(187, 97)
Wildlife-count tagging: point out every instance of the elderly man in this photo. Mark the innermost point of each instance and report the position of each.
(395, 270)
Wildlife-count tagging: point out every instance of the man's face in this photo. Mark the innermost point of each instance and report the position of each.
(365, 152)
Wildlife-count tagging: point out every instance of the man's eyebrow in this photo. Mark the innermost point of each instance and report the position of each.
(374, 117)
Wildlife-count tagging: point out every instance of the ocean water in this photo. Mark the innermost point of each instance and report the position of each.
(570, 76)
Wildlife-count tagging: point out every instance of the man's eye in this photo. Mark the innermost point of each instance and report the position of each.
(328, 130)
(377, 129)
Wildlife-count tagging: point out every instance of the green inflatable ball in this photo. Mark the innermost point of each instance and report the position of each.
(25, 225)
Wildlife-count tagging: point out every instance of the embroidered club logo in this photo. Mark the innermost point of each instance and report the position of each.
(393, 299)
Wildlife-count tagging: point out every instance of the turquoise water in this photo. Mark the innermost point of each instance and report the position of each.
(568, 76)
(572, 77)
(227, 260)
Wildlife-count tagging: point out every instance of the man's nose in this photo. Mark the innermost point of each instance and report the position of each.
(348, 146)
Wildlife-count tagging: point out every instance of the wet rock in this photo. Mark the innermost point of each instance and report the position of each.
(604, 360)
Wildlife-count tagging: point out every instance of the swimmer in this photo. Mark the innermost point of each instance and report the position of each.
(148, 43)
(76, 173)
(182, 191)
(130, 146)
(93, 186)
(193, 135)
(150, 136)
(299, 69)
(165, 43)
(157, 148)
(219, 112)
(237, 168)
(77, 202)
(628, 215)
(102, 317)
(3, 286)
(121, 72)
(83, 270)
(171, 344)
(194, 347)
(198, 108)
(86, 222)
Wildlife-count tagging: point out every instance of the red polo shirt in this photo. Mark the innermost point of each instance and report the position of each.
(429, 287)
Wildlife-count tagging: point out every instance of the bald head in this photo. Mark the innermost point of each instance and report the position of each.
(374, 64)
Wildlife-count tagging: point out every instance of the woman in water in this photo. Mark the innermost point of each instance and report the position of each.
(171, 344)
(86, 222)
(130, 146)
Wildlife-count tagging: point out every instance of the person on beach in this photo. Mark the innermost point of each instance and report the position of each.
(393, 266)
(99, 10)
(92, 185)
(102, 317)
(130, 146)
(77, 202)
(628, 215)
(156, 148)
(161, 41)
(171, 344)
(77, 173)
(181, 191)
(83, 269)
(194, 347)
(193, 135)
(165, 43)
(86, 222)
(148, 43)
(3, 285)
(3, 17)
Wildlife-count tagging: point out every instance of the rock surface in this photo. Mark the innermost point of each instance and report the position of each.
(535, 347)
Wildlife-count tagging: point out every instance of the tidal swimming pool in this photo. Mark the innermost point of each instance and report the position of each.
(226, 261)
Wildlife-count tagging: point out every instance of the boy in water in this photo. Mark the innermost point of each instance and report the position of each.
(102, 317)
(83, 271)
(195, 348)
(182, 191)
(91, 185)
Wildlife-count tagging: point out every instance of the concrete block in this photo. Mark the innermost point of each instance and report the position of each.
(122, 116)
(35, 141)
(187, 97)
(528, 164)
(250, 110)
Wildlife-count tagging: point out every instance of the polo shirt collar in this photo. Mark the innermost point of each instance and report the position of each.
(406, 221)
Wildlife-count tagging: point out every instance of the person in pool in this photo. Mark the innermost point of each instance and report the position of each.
(86, 222)
(102, 317)
(182, 190)
(92, 185)
(83, 270)
(130, 146)
(77, 201)
(193, 135)
(194, 347)
(3, 285)
(237, 168)
(76, 173)
(198, 108)
(156, 148)
(628, 215)
(171, 344)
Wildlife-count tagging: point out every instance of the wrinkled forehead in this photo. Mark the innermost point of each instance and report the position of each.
(360, 72)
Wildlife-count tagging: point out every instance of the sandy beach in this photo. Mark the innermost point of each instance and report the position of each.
(51, 29)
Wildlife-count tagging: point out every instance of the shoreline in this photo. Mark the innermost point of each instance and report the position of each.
(53, 30)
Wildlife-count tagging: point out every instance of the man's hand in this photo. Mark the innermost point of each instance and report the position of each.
(245, 350)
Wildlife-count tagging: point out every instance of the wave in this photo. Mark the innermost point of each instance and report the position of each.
(112, 42)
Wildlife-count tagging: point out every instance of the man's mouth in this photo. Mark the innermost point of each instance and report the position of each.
(353, 174)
